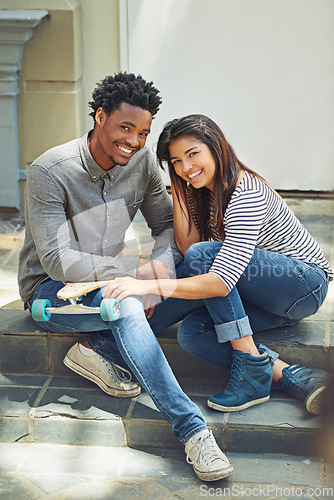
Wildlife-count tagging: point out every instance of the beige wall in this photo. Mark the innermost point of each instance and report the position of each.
(68, 53)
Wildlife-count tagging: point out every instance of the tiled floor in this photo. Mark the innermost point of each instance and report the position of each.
(78, 473)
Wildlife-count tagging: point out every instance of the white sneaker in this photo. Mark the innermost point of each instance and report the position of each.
(111, 378)
(207, 459)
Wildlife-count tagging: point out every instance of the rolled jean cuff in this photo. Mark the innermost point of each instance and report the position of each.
(273, 355)
(192, 433)
(233, 330)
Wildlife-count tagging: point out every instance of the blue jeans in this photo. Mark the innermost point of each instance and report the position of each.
(273, 291)
(132, 336)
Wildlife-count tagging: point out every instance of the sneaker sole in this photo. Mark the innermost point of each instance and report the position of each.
(313, 402)
(215, 406)
(214, 475)
(80, 370)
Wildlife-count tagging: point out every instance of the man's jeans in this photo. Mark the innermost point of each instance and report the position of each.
(273, 291)
(132, 336)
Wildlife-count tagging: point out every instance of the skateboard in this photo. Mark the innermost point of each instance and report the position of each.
(109, 309)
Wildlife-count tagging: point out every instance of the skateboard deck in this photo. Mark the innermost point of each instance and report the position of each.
(74, 290)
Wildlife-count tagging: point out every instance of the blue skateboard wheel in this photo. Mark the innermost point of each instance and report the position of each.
(38, 310)
(109, 310)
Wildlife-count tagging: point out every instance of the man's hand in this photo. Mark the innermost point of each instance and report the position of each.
(149, 269)
(149, 303)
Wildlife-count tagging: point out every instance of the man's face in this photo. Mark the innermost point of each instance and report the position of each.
(117, 137)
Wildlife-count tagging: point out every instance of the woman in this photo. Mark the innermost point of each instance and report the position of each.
(262, 269)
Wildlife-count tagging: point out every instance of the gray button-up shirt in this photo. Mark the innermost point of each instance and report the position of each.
(77, 214)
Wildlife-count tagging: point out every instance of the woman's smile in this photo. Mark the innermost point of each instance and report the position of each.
(195, 175)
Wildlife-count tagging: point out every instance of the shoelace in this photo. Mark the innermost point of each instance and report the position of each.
(122, 373)
(299, 385)
(207, 450)
(236, 374)
(117, 372)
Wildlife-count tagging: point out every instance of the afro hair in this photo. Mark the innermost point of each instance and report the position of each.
(112, 91)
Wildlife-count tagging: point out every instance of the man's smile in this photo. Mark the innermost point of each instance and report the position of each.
(126, 150)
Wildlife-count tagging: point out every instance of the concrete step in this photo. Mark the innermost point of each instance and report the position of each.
(42, 401)
(26, 349)
(72, 410)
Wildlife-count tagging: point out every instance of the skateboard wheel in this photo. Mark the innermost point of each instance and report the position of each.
(38, 310)
(109, 309)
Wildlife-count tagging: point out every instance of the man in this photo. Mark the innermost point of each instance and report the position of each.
(81, 197)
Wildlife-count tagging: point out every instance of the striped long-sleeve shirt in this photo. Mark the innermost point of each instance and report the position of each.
(256, 217)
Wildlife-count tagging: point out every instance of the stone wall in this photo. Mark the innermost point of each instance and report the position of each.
(68, 53)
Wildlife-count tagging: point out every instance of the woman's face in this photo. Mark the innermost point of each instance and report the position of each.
(193, 162)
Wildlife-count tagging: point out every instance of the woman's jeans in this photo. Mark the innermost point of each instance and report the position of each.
(273, 291)
(132, 336)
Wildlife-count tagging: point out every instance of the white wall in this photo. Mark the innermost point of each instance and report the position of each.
(263, 69)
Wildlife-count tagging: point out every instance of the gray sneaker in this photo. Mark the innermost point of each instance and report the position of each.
(111, 378)
(208, 461)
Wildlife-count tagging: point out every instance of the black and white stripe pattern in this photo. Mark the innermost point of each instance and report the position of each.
(258, 217)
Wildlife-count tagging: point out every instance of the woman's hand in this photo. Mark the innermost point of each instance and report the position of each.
(122, 287)
(202, 286)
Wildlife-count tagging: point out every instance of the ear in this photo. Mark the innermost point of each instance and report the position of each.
(100, 116)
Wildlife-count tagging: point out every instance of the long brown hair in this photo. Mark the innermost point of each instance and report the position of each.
(227, 171)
